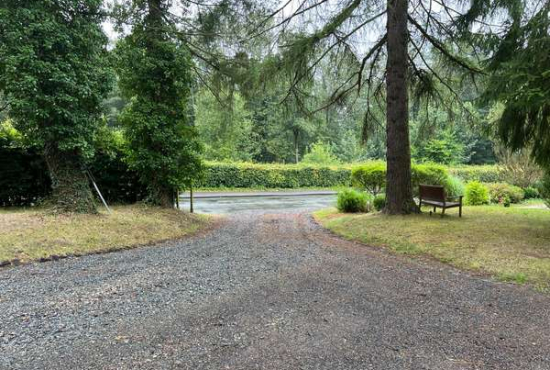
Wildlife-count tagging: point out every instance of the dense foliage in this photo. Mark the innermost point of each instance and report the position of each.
(372, 176)
(503, 192)
(53, 76)
(476, 194)
(154, 72)
(351, 201)
(25, 179)
(379, 202)
(520, 74)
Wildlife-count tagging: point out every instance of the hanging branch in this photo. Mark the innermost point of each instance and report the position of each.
(439, 46)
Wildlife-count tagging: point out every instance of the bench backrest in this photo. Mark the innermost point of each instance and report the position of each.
(432, 192)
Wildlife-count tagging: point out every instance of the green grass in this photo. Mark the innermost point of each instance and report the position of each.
(31, 234)
(511, 244)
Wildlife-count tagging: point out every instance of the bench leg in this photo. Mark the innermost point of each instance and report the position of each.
(442, 212)
(460, 211)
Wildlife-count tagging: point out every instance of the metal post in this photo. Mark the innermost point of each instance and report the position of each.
(99, 193)
(191, 198)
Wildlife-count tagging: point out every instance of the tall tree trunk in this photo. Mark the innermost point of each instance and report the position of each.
(160, 193)
(71, 190)
(399, 197)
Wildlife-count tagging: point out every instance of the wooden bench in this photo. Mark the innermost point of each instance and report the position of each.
(432, 195)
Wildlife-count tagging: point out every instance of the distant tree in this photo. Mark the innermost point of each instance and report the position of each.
(445, 149)
(321, 154)
(54, 75)
(154, 69)
(224, 129)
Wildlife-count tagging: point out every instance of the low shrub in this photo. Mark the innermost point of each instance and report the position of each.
(379, 202)
(502, 193)
(454, 187)
(370, 177)
(531, 192)
(350, 201)
(476, 194)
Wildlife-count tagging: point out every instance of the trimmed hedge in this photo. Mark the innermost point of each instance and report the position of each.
(484, 173)
(372, 176)
(248, 175)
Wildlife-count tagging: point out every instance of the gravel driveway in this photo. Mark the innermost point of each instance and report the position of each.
(265, 292)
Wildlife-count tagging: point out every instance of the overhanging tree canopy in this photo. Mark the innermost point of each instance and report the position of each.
(54, 75)
(389, 49)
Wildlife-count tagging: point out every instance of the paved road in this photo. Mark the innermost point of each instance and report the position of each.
(265, 292)
(235, 202)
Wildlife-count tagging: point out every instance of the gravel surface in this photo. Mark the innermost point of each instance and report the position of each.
(265, 292)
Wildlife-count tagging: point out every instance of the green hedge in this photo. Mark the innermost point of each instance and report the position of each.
(484, 173)
(248, 175)
(24, 177)
(372, 176)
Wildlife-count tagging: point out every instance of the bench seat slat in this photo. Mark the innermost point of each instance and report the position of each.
(440, 204)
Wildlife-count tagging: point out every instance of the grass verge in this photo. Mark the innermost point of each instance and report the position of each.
(28, 235)
(511, 244)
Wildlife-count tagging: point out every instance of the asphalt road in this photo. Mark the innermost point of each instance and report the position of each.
(265, 201)
(265, 292)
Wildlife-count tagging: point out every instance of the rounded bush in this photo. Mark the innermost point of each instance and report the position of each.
(350, 200)
(503, 193)
(454, 187)
(370, 177)
(379, 202)
(476, 194)
(531, 192)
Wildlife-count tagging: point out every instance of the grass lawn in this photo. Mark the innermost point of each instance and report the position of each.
(511, 244)
(28, 235)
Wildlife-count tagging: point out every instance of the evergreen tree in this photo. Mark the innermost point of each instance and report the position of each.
(393, 64)
(155, 75)
(519, 67)
(53, 74)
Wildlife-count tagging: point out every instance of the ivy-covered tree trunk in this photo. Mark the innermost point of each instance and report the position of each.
(54, 72)
(399, 197)
(154, 68)
(162, 196)
(70, 186)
